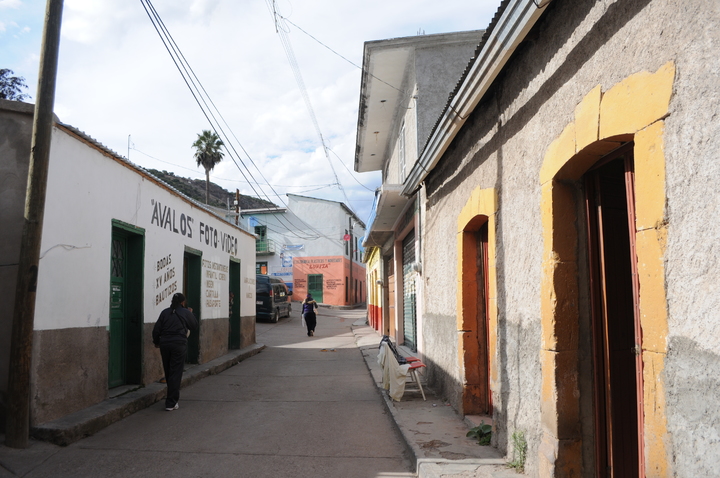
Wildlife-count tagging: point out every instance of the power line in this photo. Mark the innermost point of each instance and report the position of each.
(295, 67)
(200, 95)
(338, 54)
(348, 170)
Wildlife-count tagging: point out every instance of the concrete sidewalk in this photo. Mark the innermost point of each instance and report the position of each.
(433, 430)
(81, 424)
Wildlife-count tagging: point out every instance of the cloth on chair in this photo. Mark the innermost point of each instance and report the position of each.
(386, 340)
(394, 374)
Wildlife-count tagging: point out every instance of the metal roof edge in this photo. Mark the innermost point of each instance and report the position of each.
(413, 43)
(507, 30)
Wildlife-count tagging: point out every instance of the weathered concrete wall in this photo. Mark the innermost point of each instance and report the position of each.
(438, 68)
(575, 47)
(247, 331)
(13, 183)
(213, 338)
(69, 371)
(152, 360)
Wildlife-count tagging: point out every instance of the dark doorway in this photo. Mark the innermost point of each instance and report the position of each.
(477, 399)
(616, 329)
(126, 310)
(234, 306)
(192, 269)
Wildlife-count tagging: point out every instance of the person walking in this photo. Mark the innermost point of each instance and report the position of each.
(309, 306)
(170, 336)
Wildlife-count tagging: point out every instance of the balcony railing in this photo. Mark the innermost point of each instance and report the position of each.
(265, 247)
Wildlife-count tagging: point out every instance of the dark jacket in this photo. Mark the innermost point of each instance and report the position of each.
(172, 326)
(309, 306)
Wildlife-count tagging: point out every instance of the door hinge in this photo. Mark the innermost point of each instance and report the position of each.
(637, 350)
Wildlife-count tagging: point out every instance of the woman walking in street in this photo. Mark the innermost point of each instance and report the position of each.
(170, 335)
(309, 306)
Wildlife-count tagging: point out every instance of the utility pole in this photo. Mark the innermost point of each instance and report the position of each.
(351, 290)
(18, 411)
(237, 207)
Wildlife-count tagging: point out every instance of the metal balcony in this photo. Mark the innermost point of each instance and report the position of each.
(264, 247)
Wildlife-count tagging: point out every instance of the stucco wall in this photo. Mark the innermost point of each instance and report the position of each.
(575, 47)
(438, 68)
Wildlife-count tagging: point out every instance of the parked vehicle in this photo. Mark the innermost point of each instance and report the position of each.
(272, 298)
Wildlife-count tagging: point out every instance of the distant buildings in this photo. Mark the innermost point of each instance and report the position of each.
(313, 245)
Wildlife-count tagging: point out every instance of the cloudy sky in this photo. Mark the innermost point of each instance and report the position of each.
(116, 81)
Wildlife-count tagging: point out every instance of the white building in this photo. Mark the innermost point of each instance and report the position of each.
(310, 245)
(116, 244)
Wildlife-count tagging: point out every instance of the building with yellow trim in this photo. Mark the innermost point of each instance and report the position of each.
(567, 241)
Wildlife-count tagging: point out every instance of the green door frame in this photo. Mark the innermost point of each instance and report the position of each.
(192, 281)
(316, 293)
(126, 320)
(234, 339)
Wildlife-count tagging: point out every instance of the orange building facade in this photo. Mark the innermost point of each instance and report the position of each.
(329, 280)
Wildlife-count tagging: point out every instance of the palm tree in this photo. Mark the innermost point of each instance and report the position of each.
(208, 154)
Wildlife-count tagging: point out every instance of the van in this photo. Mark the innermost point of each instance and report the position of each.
(272, 298)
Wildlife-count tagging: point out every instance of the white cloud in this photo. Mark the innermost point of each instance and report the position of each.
(116, 79)
(10, 4)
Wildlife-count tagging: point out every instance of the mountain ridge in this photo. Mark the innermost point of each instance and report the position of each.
(219, 197)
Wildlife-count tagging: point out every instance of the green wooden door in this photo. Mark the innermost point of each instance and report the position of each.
(192, 270)
(315, 287)
(125, 352)
(234, 306)
(118, 274)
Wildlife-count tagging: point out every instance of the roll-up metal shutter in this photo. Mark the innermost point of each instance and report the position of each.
(409, 308)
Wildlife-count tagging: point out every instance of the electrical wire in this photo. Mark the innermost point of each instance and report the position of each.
(224, 135)
(201, 97)
(295, 67)
(348, 169)
(338, 54)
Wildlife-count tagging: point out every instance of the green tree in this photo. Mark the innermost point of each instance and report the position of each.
(11, 86)
(208, 154)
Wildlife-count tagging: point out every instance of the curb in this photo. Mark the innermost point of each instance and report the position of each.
(435, 467)
(411, 449)
(86, 422)
(342, 307)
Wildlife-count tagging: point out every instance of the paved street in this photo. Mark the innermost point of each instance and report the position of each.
(303, 407)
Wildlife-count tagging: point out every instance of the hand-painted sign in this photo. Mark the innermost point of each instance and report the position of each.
(166, 217)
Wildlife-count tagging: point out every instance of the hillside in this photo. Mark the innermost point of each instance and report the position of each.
(219, 197)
